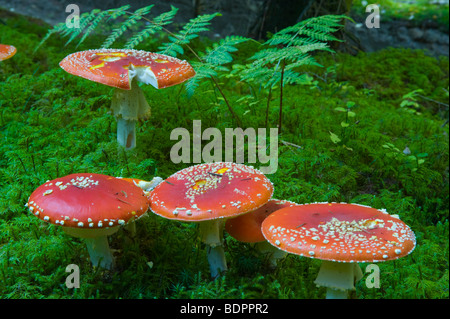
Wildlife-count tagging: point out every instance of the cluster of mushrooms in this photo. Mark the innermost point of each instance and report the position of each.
(219, 196)
(233, 197)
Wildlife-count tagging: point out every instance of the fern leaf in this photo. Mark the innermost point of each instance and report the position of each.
(189, 31)
(219, 54)
(203, 71)
(85, 18)
(115, 13)
(56, 29)
(137, 15)
(297, 41)
(84, 21)
(155, 26)
(93, 25)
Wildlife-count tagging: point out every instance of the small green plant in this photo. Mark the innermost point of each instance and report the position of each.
(409, 102)
(280, 58)
(345, 124)
(405, 158)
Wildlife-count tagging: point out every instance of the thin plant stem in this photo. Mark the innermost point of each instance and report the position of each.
(283, 65)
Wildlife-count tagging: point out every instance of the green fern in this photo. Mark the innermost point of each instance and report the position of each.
(155, 26)
(132, 20)
(89, 22)
(212, 60)
(296, 42)
(219, 54)
(189, 32)
(100, 16)
(288, 50)
(85, 19)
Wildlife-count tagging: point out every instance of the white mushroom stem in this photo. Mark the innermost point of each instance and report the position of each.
(274, 254)
(339, 278)
(128, 106)
(97, 244)
(100, 252)
(126, 133)
(211, 233)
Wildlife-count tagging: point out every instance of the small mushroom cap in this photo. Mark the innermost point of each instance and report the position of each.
(339, 232)
(247, 227)
(88, 201)
(209, 191)
(6, 51)
(117, 67)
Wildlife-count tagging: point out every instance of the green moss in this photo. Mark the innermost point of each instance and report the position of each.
(53, 124)
(418, 12)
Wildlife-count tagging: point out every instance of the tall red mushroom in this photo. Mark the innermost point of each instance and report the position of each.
(122, 69)
(89, 206)
(209, 193)
(6, 51)
(341, 235)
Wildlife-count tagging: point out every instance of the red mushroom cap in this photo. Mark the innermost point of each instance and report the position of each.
(6, 51)
(339, 232)
(247, 227)
(209, 191)
(113, 67)
(88, 201)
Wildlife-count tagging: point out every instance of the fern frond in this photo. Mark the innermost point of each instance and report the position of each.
(155, 25)
(203, 70)
(219, 54)
(115, 13)
(296, 43)
(93, 25)
(56, 29)
(85, 19)
(316, 28)
(136, 16)
(189, 31)
(95, 16)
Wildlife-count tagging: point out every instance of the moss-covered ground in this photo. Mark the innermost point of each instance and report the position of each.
(388, 149)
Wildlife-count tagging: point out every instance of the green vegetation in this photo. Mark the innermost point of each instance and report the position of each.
(369, 129)
(417, 11)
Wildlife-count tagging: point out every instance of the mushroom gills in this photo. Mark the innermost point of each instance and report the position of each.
(143, 74)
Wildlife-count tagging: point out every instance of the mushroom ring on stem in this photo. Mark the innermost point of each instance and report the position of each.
(208, 194)
(89, 206)
(247, 228)
(341, 235)
(7, 51)
(123, 69)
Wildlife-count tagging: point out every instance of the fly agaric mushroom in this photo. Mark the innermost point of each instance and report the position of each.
(122, 69)
(247, 228)
(6, 51)
(209, 193)
(341, 235)
(89, 206)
